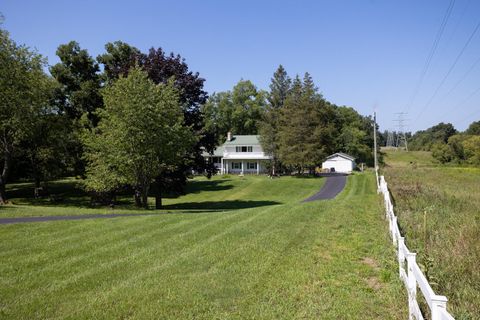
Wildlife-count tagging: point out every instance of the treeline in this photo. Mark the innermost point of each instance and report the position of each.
(135, 125)
(298, 127)
(138, 122)
(449, 145)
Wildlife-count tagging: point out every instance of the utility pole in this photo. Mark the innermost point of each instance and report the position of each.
(401, 134)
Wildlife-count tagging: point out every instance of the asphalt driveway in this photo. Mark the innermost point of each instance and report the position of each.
(334, 185)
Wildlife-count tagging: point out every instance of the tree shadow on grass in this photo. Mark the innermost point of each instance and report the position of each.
(194, 186)
(64, 193)
(69, 193)
(219, 205)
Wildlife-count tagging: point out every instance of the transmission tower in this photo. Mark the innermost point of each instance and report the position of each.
(390, 140)
(400, 123)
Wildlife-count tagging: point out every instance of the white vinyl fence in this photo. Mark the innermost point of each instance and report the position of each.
(410, 273)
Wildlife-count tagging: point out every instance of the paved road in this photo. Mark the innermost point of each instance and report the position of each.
(57, 218)
(333, 186)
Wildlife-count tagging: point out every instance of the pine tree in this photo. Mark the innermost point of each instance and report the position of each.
(292, 131)
(279, 88)
(307, 126)
(268, 127)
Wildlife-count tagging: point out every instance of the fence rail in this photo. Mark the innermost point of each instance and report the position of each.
(409, 271)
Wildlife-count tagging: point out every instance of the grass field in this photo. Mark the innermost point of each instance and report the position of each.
(438, 210)
(281, 260)
(216, 194)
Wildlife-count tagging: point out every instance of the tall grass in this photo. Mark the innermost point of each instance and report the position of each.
(438, 210)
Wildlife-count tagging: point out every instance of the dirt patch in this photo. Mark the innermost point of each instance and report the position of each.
(371, 262)
(374, 283)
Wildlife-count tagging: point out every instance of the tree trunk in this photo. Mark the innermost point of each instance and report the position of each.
(145, 197)
(158, 193)
(3, 194)
(137, 197)
(3, 177)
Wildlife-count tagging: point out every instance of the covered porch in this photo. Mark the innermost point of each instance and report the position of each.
(242, 166)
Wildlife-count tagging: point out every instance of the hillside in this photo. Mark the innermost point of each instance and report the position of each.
(283, 260)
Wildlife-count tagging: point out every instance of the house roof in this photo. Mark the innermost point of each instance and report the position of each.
(342, 155)
(242, 140)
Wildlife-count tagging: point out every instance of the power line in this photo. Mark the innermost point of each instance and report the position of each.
(471, 95)
(469, 116)
(463, 77)
(449, 70)
(433, 49)
(459, 21)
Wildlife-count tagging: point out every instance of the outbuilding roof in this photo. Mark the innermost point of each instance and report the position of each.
(242, 140)
(342, 155)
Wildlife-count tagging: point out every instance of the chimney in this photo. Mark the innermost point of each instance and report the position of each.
(229, 136)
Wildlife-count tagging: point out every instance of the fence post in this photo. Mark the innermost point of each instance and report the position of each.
(438, 302)
(394, 236)
(401, 255)
(412, 285)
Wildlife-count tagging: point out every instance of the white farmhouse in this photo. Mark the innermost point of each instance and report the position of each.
(240, 154)
(339, 162)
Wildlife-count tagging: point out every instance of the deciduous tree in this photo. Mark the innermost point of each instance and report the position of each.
(24, 92)
(239, 110)
(141, 134)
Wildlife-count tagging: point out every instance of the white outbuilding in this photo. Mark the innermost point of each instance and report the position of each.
(339, 162)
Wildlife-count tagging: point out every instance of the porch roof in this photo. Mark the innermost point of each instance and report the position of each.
(245, 157)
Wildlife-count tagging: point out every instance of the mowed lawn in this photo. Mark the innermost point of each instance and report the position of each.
(282, 260)
(438, 211)
(202, 194)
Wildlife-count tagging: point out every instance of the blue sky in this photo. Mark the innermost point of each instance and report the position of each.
(364, 54)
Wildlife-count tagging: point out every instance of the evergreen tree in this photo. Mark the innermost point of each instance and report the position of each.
(268, 127)
(307, 127)
(319, 143)
(292, 129)
(279, 88)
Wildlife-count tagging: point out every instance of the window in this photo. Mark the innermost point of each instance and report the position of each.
(236, 165)
(216, 160)
(251, 166)
(244, 149)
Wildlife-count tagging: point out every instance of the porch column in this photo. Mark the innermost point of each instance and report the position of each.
(242, 166)
(258, 167)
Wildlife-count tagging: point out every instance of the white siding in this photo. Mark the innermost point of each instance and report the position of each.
(339, 164)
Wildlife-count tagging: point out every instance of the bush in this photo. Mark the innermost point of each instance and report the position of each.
(442, 153)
